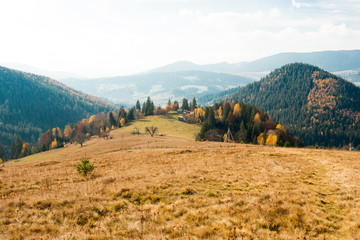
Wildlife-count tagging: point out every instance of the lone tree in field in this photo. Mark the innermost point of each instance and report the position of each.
(85, 167)
(80, 138)
(151, 130)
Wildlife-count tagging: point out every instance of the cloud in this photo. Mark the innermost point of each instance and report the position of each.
(185, 12)
(299, 5)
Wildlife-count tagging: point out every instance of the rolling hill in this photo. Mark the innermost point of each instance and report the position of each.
(171, 187)
(30, 104)
(314, 104)
(160, 86)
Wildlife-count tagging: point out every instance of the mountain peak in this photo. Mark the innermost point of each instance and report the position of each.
(314, 104)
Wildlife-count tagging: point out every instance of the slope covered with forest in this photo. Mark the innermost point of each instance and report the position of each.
(31, 104)
(314, 104)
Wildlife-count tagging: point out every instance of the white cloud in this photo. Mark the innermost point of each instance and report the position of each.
(299, 5)
(185, 12)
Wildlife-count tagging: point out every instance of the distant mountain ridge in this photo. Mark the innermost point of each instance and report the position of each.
(160, 86)
(30, 104)
(332, 61)
(314, 104)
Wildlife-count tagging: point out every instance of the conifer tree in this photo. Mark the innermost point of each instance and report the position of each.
(137, 106)
(2, 153)
(112, 119)
(16, 148)
(193, 104)
(185, 104)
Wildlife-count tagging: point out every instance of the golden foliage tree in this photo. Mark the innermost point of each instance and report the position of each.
(219, 112)
(54, 144)
(257, 119)
(237, 110)
(271, 140)
(122, 122)
(68, 131)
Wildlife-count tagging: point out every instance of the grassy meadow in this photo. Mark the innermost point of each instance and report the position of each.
(171, 187)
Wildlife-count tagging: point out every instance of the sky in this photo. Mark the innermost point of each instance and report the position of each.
(98, 38)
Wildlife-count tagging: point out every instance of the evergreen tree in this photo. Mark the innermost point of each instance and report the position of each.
(242, 132)
(112, 119)
(130, 116)
(185, 104)
(211, 119)
(137, 106)
(169, 103)
(2, 153)
(122, 113)
(193, 104)
(226, 111)
(143, 108)
(16, 148)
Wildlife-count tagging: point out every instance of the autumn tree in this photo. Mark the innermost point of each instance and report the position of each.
(151, 130)
(80, 138)
(175, 106)
(122, 122)
(25, 150)
(237, 110)
(257, 119)
(68, 132)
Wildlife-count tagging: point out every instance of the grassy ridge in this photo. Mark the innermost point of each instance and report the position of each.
(168, 125)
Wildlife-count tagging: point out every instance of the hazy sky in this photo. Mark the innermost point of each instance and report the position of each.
(108, 37)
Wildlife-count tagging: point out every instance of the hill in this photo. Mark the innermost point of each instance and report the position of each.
(31, 104)
(160, 86)
(314, 104)
(175, 188)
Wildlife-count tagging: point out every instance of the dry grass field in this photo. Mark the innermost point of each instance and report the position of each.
(169, 187)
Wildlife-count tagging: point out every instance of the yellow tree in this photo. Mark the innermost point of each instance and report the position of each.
(68, 131)
(271, 140)
(54, 144)
(257, 119)
(122, 122)
(92, 119)
(237, 110)
(219, 112)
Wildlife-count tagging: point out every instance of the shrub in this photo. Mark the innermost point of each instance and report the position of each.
(85, 167)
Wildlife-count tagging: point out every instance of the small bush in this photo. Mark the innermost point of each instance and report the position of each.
(85, 167)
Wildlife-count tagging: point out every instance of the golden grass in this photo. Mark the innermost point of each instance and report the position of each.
(175, 188)
(168, 125)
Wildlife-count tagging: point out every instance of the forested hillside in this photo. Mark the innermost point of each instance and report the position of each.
(31, 104)
(314, 104)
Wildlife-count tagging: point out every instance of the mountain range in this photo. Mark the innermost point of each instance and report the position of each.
(161, 86)
(332, 61)
(316, 105)
(186, 79)
(30, 104)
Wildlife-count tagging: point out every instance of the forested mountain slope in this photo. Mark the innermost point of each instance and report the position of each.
(314, 104)
(30, 104)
